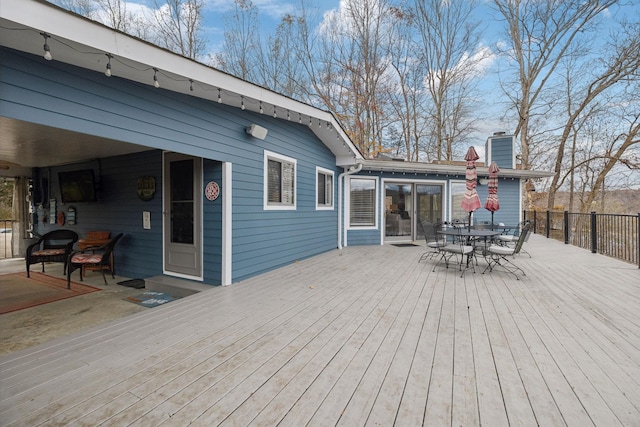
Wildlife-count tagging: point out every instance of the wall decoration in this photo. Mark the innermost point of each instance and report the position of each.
(71, 215)
(146, 188)
(212, 191)
(52, 211)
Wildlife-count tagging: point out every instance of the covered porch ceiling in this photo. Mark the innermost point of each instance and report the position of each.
(28, 145)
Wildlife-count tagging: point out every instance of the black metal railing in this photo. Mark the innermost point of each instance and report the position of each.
(614, 235)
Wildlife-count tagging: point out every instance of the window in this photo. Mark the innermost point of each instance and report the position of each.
(279, 181)
(457, 195)
(362, 206)
(324, 188)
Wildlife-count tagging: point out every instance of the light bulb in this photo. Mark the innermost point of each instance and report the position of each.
(107, 71)
(219, 97)
(47, 51)
(242, 106)
(156, 83)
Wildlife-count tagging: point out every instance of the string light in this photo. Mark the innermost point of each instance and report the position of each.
(288, 115)
(242, 103)
(319, 124)
(275, 115)
(310, 123)
(219, 97)
(191, 85)
(47, 51)
(261, 111)
(300, 118)
(107, 71)
(156, 83)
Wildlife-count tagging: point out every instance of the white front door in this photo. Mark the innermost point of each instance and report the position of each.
(182, 219)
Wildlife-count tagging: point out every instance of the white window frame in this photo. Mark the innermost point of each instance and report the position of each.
(268, 155)
(326, 173)
(375, 207)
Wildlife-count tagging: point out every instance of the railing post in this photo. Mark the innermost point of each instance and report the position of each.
(548, 227)
(594, 237)
(535, 222)
(566, 227)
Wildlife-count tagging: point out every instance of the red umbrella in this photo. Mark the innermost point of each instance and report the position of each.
(492, 204)
(471, 201)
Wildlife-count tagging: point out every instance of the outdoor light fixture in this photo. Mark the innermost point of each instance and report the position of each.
(107, 71)
(47, 51)
(156, 83)
(257, 131)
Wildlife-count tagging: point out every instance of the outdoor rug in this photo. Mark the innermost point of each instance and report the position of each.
(18, 292)
(151, 298)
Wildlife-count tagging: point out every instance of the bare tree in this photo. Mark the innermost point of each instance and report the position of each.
(450, 53)
(116, 14)
(86, 8)
(407, 99)
(241, 49)
(540, 34)
(621, 67)
(178, 27)
(350, 69)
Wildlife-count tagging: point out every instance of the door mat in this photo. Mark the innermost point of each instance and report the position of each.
(133, 283)
(403, 245)
(151, 299)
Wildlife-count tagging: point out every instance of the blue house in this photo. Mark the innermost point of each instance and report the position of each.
(209, 177)
(388, 199)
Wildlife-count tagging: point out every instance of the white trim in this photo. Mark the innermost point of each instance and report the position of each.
(198, 188)
(376, 220)
(331, 173)
(265, 169)
(227, 225)
(444, 183)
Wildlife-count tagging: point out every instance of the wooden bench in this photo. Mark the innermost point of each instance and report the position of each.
(54, 246)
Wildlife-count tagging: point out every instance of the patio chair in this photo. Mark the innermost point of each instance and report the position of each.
(498, 255)
(507, 239)
(96, 257)
(54, 246)
(462, 250)
(434, 242)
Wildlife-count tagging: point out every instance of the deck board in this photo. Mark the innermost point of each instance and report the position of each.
(363, 336)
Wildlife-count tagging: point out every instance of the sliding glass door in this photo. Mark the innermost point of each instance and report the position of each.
(406, 205)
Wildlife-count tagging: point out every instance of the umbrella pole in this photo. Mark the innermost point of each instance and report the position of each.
(469, 225)
(492, 220)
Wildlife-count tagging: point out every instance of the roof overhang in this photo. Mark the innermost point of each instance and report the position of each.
(81, 42)
(417, 168)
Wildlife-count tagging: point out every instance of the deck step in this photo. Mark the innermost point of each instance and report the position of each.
(174, 286)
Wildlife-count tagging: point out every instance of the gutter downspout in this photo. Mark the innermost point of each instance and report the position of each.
(352, 170)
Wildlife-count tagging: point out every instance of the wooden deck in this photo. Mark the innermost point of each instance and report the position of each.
(366, 336)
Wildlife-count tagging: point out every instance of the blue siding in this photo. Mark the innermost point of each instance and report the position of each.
(508, 195)
(119, 210)
(501, 151)
(58, 95)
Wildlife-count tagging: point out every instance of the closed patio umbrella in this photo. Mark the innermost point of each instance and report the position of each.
(471, 201)
(492, 204)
